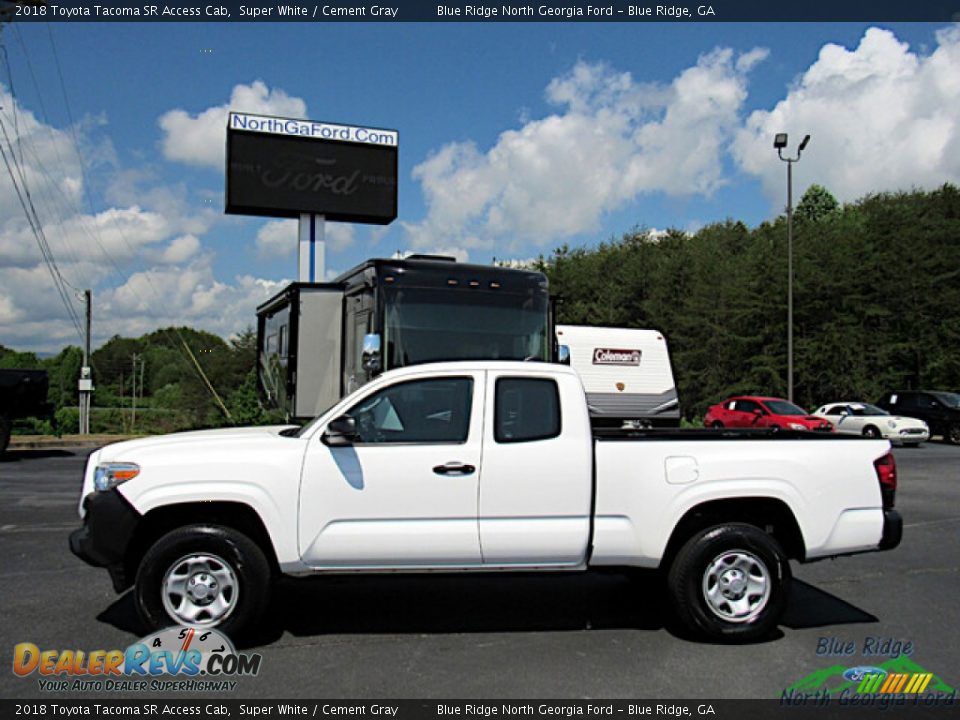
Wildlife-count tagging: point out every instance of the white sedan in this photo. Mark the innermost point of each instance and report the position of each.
(857, 418)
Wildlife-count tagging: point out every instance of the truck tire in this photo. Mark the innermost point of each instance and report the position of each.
(4, 434)
(730, 583)
(203, 576)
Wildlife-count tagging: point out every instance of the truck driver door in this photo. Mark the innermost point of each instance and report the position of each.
(404, 491)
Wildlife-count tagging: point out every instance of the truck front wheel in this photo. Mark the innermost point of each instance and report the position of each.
(203, 576)
(730, 582)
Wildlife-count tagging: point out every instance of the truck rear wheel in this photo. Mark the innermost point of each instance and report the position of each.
(730, 582)
(203, 576)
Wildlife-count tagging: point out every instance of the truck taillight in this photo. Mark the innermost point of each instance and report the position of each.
(886, 468)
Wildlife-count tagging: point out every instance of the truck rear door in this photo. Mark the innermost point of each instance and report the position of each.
(536, 475)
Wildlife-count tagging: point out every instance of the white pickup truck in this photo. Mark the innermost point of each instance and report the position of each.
(478, 466)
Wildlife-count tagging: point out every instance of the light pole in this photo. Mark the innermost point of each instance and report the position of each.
(780, 142)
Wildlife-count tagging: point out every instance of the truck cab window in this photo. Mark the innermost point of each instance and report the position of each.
(420, 411)
(526, 409)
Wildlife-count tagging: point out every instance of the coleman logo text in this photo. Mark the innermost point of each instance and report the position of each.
(607, 356)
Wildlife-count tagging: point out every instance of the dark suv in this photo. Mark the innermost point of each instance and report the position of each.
(940, 410)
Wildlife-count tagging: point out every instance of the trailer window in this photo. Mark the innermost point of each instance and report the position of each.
(526, 409)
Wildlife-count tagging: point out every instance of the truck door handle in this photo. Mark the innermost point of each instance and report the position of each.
(454, 468)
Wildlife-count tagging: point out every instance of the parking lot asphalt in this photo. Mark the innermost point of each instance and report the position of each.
(586, 635)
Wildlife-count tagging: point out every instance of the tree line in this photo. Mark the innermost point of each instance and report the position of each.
(876, 308)
(876, 298)
(151, 384)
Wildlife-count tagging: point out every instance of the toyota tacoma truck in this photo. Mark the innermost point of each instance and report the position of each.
(478, 466)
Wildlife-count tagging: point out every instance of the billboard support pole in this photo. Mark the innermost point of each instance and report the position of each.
(312, 246)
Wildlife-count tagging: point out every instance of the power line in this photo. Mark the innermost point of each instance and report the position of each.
(33, 220)
(37, 228)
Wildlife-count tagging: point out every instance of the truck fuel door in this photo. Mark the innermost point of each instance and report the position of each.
(681, 469)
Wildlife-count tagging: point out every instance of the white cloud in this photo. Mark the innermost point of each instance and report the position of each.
(186, 293)
(142, 224)
(880, 118)
(376, 233)
(521, 264)
(45, 155)
(183, 295)
(339, 236)
(458, 253)
(276, 238)
(613, 139)
(178, 251)
(200, 139)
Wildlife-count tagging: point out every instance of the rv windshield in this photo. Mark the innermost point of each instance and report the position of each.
(432, 325)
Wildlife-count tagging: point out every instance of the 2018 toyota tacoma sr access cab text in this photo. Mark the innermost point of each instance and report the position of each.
(478, 466)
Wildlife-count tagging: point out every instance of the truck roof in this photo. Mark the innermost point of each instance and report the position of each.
(477, 365)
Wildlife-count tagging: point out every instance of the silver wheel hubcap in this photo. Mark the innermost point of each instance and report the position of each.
(736, 586)
(200, 590)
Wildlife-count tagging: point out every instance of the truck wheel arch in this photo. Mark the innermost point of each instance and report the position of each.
(161, 520)
(769, 514)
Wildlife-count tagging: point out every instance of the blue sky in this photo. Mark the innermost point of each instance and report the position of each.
(515, 138)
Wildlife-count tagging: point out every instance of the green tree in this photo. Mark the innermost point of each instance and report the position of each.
(817, 204)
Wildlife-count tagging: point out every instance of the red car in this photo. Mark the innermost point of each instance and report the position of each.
(749, 411)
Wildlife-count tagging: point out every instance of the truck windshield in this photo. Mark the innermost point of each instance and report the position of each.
(433, 325)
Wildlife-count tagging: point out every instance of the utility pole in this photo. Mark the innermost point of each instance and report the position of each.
(85, 385)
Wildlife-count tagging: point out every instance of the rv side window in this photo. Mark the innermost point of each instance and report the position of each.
(526, 409)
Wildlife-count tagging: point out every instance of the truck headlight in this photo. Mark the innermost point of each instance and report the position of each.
(109, 475)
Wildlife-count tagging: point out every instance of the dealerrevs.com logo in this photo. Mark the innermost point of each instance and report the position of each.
(175, 659)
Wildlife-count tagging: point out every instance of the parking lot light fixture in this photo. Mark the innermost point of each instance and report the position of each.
(780, 143)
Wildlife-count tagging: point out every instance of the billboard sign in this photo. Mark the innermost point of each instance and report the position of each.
(281, 167)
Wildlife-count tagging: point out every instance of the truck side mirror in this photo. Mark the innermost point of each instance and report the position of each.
(563, 354)
(371, 353)
(341, 431)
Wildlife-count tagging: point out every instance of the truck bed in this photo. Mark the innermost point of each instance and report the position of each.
(600, 433)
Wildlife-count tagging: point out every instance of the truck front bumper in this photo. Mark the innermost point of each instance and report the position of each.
(108, 528)
(892, 530)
